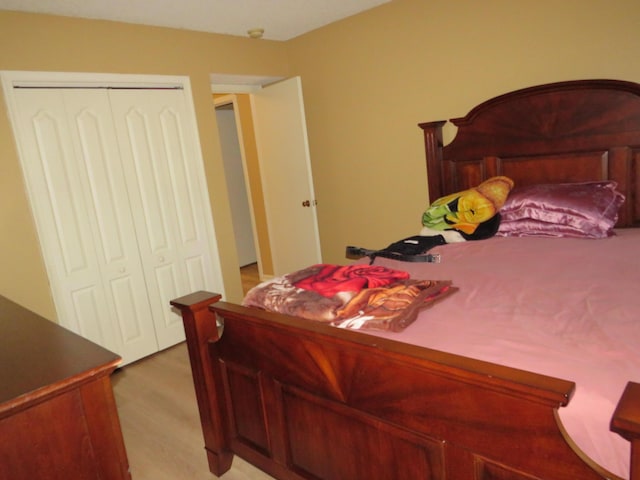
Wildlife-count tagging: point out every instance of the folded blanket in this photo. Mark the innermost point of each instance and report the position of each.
(356, 296)
(329, 280)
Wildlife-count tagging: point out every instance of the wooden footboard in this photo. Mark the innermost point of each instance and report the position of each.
(301, 400)
(626, 422)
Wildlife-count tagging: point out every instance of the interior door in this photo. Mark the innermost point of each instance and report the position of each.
(285, 166)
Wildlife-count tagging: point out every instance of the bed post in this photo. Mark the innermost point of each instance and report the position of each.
(433, 150)
(626, 422)
(201, 329)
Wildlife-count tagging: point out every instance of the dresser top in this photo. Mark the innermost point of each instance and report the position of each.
(39, 357)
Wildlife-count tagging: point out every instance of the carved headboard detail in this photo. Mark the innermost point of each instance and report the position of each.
(556, 133)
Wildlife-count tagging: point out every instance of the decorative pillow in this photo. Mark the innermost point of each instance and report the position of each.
(468, 210)
(588, 209)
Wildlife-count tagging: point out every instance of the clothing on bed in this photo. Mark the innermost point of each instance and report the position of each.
(353, 296)
(410, 249)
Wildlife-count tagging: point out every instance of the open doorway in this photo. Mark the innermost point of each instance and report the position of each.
(271, 131)
(231, 94)
(236, 184)
(236, 178)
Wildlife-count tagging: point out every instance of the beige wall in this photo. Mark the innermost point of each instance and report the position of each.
(369, 80)
(48, 43)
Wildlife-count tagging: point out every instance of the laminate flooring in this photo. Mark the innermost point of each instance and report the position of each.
(250, 277)
(160, 423)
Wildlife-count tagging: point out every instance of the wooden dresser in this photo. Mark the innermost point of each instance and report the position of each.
(58, 417)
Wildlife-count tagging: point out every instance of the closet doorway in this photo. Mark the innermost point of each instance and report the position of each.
(114, 175)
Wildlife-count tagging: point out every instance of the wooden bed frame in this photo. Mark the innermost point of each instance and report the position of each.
(302, 400)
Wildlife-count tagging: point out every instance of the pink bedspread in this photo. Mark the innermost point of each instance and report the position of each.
(567, 308)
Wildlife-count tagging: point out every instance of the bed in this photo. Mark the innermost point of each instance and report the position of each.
(303, 400)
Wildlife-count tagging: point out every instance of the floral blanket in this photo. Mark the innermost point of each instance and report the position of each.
(354, 296)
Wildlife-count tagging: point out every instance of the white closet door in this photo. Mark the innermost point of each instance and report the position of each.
(75, 180)
(157, 146)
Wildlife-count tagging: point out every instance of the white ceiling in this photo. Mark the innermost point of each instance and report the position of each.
(280, 19)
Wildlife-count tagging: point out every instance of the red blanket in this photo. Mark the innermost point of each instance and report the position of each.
(354, 296)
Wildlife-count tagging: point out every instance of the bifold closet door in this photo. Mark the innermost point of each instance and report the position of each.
(77, 189)
(156, 137)
(114, 184)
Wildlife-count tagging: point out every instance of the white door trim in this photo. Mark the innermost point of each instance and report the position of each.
(19, 78)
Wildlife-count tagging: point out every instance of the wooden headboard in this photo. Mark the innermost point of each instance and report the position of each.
(556, 133)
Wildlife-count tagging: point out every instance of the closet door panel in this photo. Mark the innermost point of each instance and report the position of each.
(76, 186)
(147, 176)
(55, 191)
(116, 182)
(111, 222)
(188, 200)
(87, 305)
(144, 175)
(197, 272)
(155, 133)
(167, 281)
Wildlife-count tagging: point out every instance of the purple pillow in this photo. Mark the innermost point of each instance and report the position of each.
(588, 209)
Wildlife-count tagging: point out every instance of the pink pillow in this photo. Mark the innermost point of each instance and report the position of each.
(588, 209)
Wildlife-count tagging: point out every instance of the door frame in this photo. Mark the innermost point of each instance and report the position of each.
(232, 99)
(226, 86)
(14, 78)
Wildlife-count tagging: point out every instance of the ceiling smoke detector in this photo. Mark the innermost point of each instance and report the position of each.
(255, 32)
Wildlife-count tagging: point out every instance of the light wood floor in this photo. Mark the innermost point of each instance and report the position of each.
(159, 416)
(250, 277)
